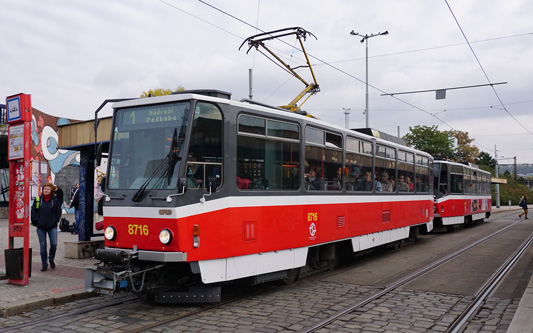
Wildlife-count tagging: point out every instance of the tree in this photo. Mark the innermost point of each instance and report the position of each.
(440, 144)
(160, 92)
(485, 159)
(464, 152)
(431, 140)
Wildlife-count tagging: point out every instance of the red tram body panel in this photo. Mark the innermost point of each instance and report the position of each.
(238, 231)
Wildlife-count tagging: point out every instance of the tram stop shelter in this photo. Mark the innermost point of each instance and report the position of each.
(80, 136)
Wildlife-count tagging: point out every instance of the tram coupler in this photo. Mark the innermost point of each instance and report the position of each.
(193, 294)
(104, 281)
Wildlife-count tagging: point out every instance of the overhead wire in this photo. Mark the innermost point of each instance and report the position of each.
(433, 48)
(344, 72)
(483, 69)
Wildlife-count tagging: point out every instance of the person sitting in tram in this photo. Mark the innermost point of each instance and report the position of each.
(410, 184)
(195, 172)
(314, 180)
(402, 184)
(387, 183)
(366, 184)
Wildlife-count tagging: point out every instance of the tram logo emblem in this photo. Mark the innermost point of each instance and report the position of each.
(312, 231)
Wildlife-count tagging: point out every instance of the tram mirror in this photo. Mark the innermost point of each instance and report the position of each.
(211, 184)
(182, 185)
(98, 155)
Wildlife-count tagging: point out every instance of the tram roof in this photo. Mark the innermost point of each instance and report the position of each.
(80, 136)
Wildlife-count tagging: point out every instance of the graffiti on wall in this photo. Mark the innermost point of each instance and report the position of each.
(47, 158)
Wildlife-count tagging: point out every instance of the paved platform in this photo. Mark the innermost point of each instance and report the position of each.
(66, 282)
(63, 284)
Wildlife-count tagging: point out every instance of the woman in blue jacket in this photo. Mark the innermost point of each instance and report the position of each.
(45, 214)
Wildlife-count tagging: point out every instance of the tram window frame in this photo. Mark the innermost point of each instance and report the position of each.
(323, 160)
(200, 157)
(468, 181)
(385, 169)
(406, 172)
(422, 174)
(357, 164)
(456, 179)
(277, 142)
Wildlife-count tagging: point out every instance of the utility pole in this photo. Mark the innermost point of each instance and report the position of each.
(365, 40)
(497, 176)
(250, 93)
(515, 173)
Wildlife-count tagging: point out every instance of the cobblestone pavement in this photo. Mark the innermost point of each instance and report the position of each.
(286, 309)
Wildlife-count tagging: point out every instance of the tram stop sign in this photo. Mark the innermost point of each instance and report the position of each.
(19, 116)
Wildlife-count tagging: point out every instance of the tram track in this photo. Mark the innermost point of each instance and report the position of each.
(459, 324)
(203, 308)
(72, 313)
(182, 313)
(462, 319)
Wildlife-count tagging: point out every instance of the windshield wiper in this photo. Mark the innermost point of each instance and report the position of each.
(172, 158)
(173, 155)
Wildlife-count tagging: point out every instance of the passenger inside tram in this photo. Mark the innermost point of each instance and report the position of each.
(387, 183)
(402, 184)
(314, 181)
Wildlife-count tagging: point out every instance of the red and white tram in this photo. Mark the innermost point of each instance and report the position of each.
(462, 194)
(202, 189)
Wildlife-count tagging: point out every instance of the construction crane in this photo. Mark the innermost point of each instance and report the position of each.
(301, 34)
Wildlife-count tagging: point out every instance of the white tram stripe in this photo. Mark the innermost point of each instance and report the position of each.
(253, 201)
(461, 197)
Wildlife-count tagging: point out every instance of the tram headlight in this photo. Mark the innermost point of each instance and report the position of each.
(165, 236)
(110, 233)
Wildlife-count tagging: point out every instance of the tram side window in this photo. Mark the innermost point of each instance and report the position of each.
(406, 172)
(323, 161)
(268, 154)
(468, 181)
(475, 183)
(422, 174)
(358, 164)
(204, 159)
(456, 179)
(385, 169)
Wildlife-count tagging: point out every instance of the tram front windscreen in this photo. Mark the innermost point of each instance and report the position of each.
(147, 145)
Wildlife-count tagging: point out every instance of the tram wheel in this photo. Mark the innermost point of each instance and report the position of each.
(292, 275)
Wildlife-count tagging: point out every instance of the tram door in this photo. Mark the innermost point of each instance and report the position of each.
(441, 179)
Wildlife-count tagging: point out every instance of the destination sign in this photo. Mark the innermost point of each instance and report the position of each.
(154, 114)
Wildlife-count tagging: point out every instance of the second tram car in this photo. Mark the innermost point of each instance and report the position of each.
(462, 194)
(201, 189)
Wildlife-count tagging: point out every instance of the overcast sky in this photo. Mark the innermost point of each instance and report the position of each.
(72, 55)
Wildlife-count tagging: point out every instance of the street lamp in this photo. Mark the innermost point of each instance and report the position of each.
(365, 39)
(346, 117)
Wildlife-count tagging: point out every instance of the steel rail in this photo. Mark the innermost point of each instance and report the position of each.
(458, 325)
(72, 313)
(401, 282)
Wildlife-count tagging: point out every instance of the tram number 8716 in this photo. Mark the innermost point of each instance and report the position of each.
(137, 229)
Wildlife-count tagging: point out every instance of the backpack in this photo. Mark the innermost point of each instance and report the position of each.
(64, 224)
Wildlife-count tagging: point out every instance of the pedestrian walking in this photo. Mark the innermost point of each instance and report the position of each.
(45, 214)
(523, 204)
